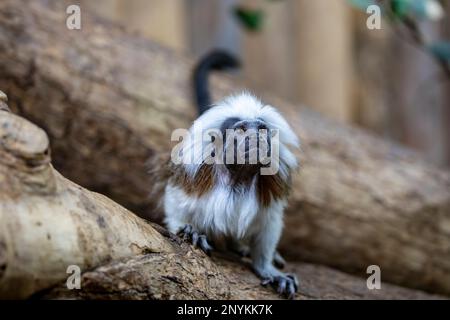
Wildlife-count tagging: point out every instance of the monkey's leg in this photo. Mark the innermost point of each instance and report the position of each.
(263, 252)
(197, 239)
(240, 248)
(278, 260)
(243, 250)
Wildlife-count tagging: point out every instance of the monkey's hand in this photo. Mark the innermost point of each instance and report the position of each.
(197, 239)
(285, 284)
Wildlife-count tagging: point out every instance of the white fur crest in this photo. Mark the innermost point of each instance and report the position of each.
(247, 107)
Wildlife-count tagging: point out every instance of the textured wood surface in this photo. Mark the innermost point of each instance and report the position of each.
(48, 223)
(109, 101)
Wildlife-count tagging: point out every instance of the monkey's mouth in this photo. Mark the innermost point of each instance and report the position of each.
(249, 161)
(246, 145)
(251, 151)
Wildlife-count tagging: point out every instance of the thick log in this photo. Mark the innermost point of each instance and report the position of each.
(109, 100)
(48, 223)
(136, 278)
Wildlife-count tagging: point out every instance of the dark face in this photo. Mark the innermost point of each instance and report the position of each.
(246, 145)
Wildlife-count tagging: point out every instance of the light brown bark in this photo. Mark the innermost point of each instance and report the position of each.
(48, 223)
(109, 101)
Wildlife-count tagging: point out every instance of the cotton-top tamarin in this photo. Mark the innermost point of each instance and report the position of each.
(232, 177)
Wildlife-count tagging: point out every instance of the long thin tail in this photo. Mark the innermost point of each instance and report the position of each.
(215, 60)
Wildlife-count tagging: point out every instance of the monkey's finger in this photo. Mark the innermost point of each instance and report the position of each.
(291, 290)
(281, 285)
(194, 238)
(294, 279)
(266, 281)
(186, 232)
(204, 245)
(182, 231)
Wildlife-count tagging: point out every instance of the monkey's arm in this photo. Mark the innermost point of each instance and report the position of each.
(180, 222)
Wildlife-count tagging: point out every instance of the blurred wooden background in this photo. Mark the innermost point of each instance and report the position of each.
(315, 52)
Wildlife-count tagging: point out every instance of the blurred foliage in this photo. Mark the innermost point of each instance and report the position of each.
(409, 13)
(406, 12)
(251, 19)
(421, 9)
(441, 50)
(401, 9)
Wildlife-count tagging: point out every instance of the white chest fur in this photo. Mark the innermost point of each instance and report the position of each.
(219, 212)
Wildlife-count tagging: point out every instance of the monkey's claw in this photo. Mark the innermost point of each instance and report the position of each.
(197, 239)
(286, 285)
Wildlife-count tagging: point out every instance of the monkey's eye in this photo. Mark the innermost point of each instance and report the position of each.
(228, 124)
(262, 126)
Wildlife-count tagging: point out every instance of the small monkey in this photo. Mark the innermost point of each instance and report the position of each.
(224, 193)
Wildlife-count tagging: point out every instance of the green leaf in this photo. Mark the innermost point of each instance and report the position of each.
(400, 8)
(420, 9)
(362, 4)
(251, 19)
(441, 50)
